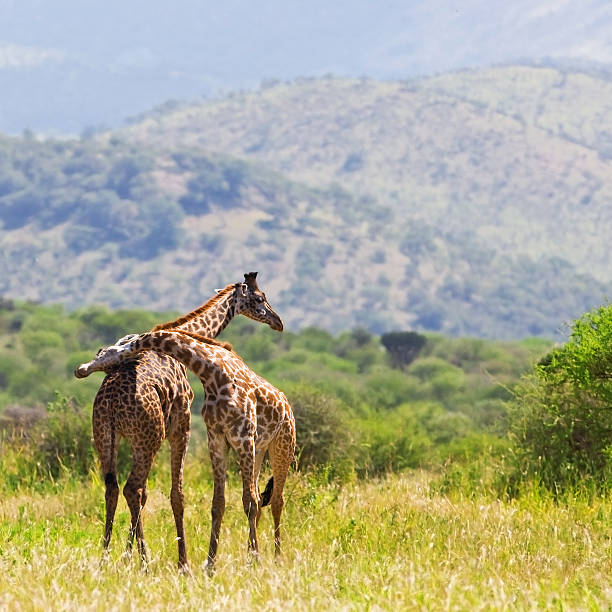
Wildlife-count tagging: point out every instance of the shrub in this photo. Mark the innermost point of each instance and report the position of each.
(397, 440)
(323, 431)
(386, 388)
(63, 439)
(52, 445)
(561, 417)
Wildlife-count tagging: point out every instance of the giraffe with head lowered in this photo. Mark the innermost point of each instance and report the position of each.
(147, 399)
(241, 409)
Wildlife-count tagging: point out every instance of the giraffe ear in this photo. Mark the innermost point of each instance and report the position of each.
(244, 289)
(218, 290)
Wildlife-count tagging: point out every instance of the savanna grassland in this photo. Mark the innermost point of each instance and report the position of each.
(436, 469)
(432, 474)
(385, 544)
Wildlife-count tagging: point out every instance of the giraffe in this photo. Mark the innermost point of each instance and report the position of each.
(148, 398)
(241, 408)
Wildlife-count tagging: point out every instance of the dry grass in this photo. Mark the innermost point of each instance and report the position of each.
(379, 545)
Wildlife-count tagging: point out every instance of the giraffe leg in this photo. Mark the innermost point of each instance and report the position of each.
(281, 452)
(135, 492)
(111, 497)
(178, 449)
(217, 448)
(105, 443)
(250, 495)
(259, 456)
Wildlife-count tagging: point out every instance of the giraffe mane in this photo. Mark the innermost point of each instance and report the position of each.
(200, 338)
(197, 312)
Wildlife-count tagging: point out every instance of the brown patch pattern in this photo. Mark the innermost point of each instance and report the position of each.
(241, 410)
(147, 399)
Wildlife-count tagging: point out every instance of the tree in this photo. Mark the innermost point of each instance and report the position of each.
(403, 347)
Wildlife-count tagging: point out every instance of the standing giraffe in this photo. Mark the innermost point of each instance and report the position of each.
(148, 398)
(241, 409)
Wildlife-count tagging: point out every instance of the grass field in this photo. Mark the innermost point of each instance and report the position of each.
(391, 544)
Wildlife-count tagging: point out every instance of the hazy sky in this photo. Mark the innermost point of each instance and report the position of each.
(67, 64)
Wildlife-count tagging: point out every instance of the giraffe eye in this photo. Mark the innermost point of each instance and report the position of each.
(259, 299)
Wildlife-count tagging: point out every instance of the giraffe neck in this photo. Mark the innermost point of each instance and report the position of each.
(201, 355)
(211, 318)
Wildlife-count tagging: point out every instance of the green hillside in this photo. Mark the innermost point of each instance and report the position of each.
(471, 203)
(518, 154)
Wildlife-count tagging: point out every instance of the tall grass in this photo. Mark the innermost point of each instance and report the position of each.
(388, 544)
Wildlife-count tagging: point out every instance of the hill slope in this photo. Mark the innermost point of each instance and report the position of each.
(520, 155)
(435, 204)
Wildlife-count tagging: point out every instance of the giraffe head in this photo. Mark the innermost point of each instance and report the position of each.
(105, 358)
(251, 301)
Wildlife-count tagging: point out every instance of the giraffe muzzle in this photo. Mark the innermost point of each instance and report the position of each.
(277, 324)
(81, 371)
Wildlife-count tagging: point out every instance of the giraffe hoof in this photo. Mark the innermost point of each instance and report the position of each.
(104, 559)
(185, 570)
(254, 557)
(210, 568)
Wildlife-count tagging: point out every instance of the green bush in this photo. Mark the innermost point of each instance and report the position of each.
(314, 339)
(386, 388)
(396, 440)
(63, 440)
(323, 431)
(55, 445)
(561, 417)
(475, 465)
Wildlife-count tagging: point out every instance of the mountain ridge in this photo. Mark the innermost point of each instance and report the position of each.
(513, 155)
(68, 65)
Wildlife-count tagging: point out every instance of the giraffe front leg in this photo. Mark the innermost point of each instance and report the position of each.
(111, 498)
(217, 448)
(281, 453)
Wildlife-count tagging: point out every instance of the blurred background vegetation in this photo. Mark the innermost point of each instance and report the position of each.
(480, 415)
(486, 217)
(393, 257)
(360, 410)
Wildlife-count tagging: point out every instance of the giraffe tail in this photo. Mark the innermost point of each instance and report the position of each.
(266, 496)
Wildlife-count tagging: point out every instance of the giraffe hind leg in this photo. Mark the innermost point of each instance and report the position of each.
(105, 443)
(281, 453)
(111, 498)
(250, 495)
(135, 492)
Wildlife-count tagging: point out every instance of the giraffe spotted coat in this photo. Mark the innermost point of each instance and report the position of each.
(241, 409)
(147, 399)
